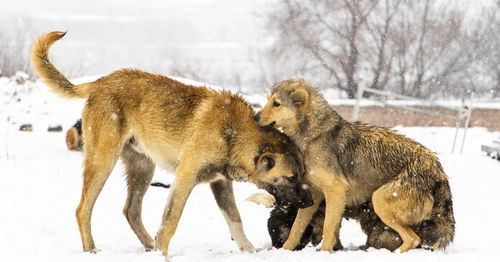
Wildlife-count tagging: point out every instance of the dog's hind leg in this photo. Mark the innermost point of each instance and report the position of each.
(102, 147)
(223, 193)
(399, 207)
(139, 169)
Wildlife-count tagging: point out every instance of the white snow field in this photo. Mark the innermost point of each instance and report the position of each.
(41, 181)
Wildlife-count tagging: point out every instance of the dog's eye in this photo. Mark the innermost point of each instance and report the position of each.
(292, 179)
(276, 104)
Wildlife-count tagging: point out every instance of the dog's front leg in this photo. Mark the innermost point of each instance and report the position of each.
(185, 180)
(223, 193)
(303, 218)
(335, 197)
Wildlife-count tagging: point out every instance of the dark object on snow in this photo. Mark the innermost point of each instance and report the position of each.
(74, 137)
(57, 128)
(492, 150)
(26, 127)
(159, 184)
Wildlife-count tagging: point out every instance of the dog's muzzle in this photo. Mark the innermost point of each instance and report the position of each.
(270, 125)
(257, 119)
(287, 196)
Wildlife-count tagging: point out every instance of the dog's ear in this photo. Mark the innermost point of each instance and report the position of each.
(299, 96)
(265, 162)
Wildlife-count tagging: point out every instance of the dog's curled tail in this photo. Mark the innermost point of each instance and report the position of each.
(440, 229)
(47, 71)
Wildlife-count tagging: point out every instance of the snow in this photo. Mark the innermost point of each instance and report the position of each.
(41, 186)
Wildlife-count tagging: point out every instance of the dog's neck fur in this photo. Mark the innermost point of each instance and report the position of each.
(315, 119)
(241, 166)
(244, 164)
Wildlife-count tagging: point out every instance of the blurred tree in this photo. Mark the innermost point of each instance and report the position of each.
(418, 48)
(323, 37)
(15, 39)
(491, 45)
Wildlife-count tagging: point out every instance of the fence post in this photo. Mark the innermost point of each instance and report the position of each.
(456, 131)
(467, 121)
(355, 112)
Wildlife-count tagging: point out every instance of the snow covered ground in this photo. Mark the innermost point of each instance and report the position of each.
(41, 182)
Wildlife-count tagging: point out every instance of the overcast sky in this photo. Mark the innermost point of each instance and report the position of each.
(105, 35)
(110, 34)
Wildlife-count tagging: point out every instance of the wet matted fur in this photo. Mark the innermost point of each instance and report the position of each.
(350, 163)
(206, 136)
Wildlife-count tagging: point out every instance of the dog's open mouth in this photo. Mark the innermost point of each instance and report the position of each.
(284, 206)
(270, 125)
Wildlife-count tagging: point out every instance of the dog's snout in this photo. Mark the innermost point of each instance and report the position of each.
(256, 117)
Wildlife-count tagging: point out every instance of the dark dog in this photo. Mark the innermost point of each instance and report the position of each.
(281, 220)
(378, 234)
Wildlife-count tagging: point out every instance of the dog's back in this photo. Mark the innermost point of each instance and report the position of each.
(372, 156)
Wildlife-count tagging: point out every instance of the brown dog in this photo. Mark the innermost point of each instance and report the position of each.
(207, 136)
(351, 163)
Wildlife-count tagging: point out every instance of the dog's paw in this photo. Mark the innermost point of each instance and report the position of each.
(247, 247)
(94, 251)
(265, 199)
(149, 247)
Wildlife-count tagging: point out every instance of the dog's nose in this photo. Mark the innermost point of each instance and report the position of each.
(256, 117)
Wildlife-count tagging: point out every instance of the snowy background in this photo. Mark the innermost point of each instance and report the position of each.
(220, 42)
(41, 186)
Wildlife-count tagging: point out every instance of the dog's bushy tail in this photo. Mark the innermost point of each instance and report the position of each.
(439, 230)
(47, 71)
